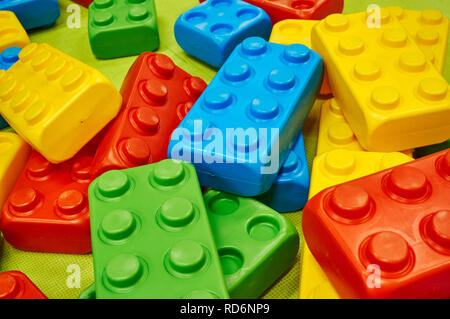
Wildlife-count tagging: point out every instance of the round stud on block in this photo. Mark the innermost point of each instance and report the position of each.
(28, 52)
(8, 89)
(155, 90)
(393, 159)
(237, 72)
(290, 164)
(24, 200)
(335, 108)
(103, 18)
(290, 28)
(41, 60)
(281, 79)
(200, 294)
(223, 204)
(113, 183)
(385, 15)
(102, 4)
(118, 224)
(431, 16)
(367, 70)
(247, 14)
(73, 79)
(71, 202)
(21, 100)
(439, 228)
(395, 37)
(124, 270)
(265, 108)
(350, 202)
(138, 13)
(36, 112)
(445, 164)
(407, 182)
(187, 256)
(263, 228)
(135, 150)
(39, 167)
(177, 212)
(336, 22)
(56, 68)
(340, 162)
(433, 89)
(351, 45)
(340, 134)
(385, 97)
(9, 286)
(221, 29)
(427, 36)
(296, 53)
(195, 86)
(412, 61)
(388, 250)
(168, 172)
(145, 119)
(162, 65)
(81, 168)
(398, 12)
(254, 46)
(11, 55)
(231, 260)
(218, 98)
(245, 144)
(196, 17)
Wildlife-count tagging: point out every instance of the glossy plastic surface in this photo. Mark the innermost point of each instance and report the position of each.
(15, 35)
(33, 13)
(16, 285)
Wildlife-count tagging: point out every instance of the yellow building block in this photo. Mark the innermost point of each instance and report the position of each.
(429, 29)
(55, 102)
(329, 169)
(12, 34)
(391, 95)
(14, 153)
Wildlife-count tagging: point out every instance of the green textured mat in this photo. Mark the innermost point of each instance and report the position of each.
(50, 271)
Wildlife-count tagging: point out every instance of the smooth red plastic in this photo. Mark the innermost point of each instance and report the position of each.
(16, 285)
(279, 10)
(84, 3)
(398, 219)
(48, 209)
(157, 95)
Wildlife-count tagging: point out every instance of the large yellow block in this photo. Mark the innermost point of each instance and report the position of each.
(429, 29)
(392, 96)
(14, 153)
(12, 33)
(55, 102)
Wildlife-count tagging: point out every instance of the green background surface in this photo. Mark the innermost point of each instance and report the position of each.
(50, 271)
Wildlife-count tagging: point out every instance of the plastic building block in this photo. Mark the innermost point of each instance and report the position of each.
(55, 102)
(88, 293)
(161, 204)
(399, 104)
(14, 153)
(297, 31)
(279, 10)
(16, 285)
(8, 57)
(156, 96)
(12, 33)
(392, 225)
(263, 91)
(84, 3)
(33, 13)
(47, 210)
(210, 31)
(429, 29)
(289, 192)
(427, 150)
(120, 28)
(256, 244)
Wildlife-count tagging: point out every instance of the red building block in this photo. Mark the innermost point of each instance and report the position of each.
(386, 235)
(84, 3)
(16, 285)
(47, 210)
(279, 10)
(156, 95)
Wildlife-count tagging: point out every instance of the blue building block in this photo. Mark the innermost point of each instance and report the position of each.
(241, 129)
(33, 13)
(290, 190)
(211, 30)
(8, 57)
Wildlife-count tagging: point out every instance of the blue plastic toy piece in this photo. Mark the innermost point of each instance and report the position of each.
(211, 30)
(290, 190)
(241, 129)
(8, 57)
(33, 13)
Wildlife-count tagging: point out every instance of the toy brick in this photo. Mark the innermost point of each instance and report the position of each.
(162, 204)
(14, 153)
(12, 33)
(279, 10)
(88, 293)
(8, 57)
(84, 3)
(263, 87)
(396, 221)
(156, 96)
(427, 150)
(401, 103)
(210, 31)
(120, 28)
(33, 13)
(55, 102)
(289, 192)
(429, 28)
(16, 285)
(297, 31)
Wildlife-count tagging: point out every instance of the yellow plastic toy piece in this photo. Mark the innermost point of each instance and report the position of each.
(14, 153)
(297, 31)
(12, 33)
(391, 95)
(329, 169)
(429, 29)
(55, 102)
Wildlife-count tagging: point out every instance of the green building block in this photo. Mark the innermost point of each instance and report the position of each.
(120, 28)
(256, 244)
(151, 236)
(427, 150)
